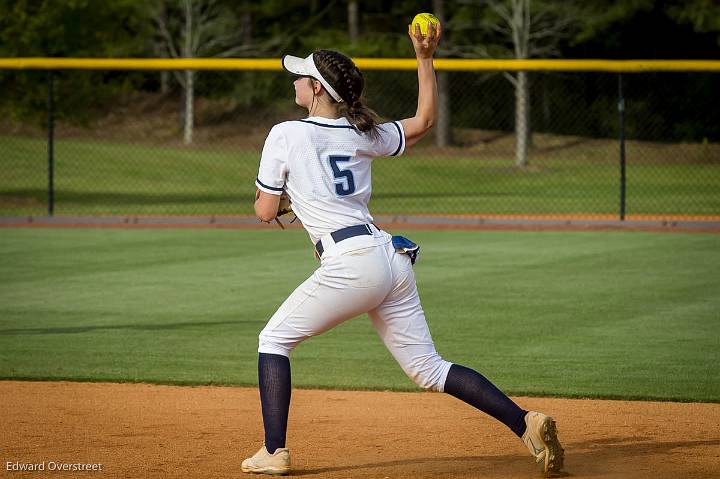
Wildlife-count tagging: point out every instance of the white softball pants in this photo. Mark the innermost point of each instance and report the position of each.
(360, 275)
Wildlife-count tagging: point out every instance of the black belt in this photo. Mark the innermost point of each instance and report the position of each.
(343, 234)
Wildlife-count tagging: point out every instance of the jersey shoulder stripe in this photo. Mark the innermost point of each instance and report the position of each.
(350, 127)
(400, 135)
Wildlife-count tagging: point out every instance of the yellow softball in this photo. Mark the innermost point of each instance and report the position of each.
(423, 19)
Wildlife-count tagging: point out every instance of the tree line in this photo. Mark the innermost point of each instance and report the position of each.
(522, 29)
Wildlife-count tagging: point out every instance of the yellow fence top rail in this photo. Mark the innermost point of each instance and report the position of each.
(443, 64)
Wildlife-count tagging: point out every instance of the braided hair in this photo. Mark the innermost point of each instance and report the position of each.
(348, 82)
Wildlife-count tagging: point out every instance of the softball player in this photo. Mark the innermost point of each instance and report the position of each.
(324, 163)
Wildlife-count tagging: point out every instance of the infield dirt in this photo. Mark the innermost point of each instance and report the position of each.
(140, 430)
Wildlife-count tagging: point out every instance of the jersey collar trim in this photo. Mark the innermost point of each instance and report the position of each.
(326, 125)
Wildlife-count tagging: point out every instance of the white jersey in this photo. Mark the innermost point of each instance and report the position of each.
(325, 167)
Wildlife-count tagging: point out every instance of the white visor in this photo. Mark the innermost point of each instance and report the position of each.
(306, 67)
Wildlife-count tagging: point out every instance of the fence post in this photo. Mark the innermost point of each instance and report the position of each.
(51, 143)
(621, 110)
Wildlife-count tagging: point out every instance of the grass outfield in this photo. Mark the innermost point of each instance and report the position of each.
(101, 177)
(578, 314)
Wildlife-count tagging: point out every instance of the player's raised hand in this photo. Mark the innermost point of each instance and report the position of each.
(425, 45)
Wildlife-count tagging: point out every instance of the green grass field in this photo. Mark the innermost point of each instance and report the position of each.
(610, 314)
(101, 177)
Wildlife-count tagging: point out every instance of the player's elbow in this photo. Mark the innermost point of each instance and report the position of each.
(264, 213)
(417, 127)
(264, 216)
(266, 206)
(428, 122)
(423, 124)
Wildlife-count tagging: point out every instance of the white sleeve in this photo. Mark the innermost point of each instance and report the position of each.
(273, 163)
(390, 139)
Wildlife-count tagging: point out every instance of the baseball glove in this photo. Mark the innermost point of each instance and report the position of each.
(284, 208)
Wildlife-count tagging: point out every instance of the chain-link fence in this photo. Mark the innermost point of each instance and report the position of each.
(119, 143)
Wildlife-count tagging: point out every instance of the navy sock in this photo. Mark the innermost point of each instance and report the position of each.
(275, 388)
(473, 388)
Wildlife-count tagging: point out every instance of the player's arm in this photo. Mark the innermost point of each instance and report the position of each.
(266, 205)
(271, 175)
(426, 114)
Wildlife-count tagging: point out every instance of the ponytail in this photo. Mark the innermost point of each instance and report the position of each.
(361, 116)
(348, 82)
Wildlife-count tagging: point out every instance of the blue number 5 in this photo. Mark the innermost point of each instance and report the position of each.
(344, 181)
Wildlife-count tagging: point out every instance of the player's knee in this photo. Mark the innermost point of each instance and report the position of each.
(271, 344)
(428, 372)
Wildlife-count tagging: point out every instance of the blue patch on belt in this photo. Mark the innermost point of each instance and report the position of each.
(405, 246)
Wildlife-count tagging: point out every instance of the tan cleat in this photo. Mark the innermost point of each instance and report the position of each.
(277, 464)
(541, 440)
